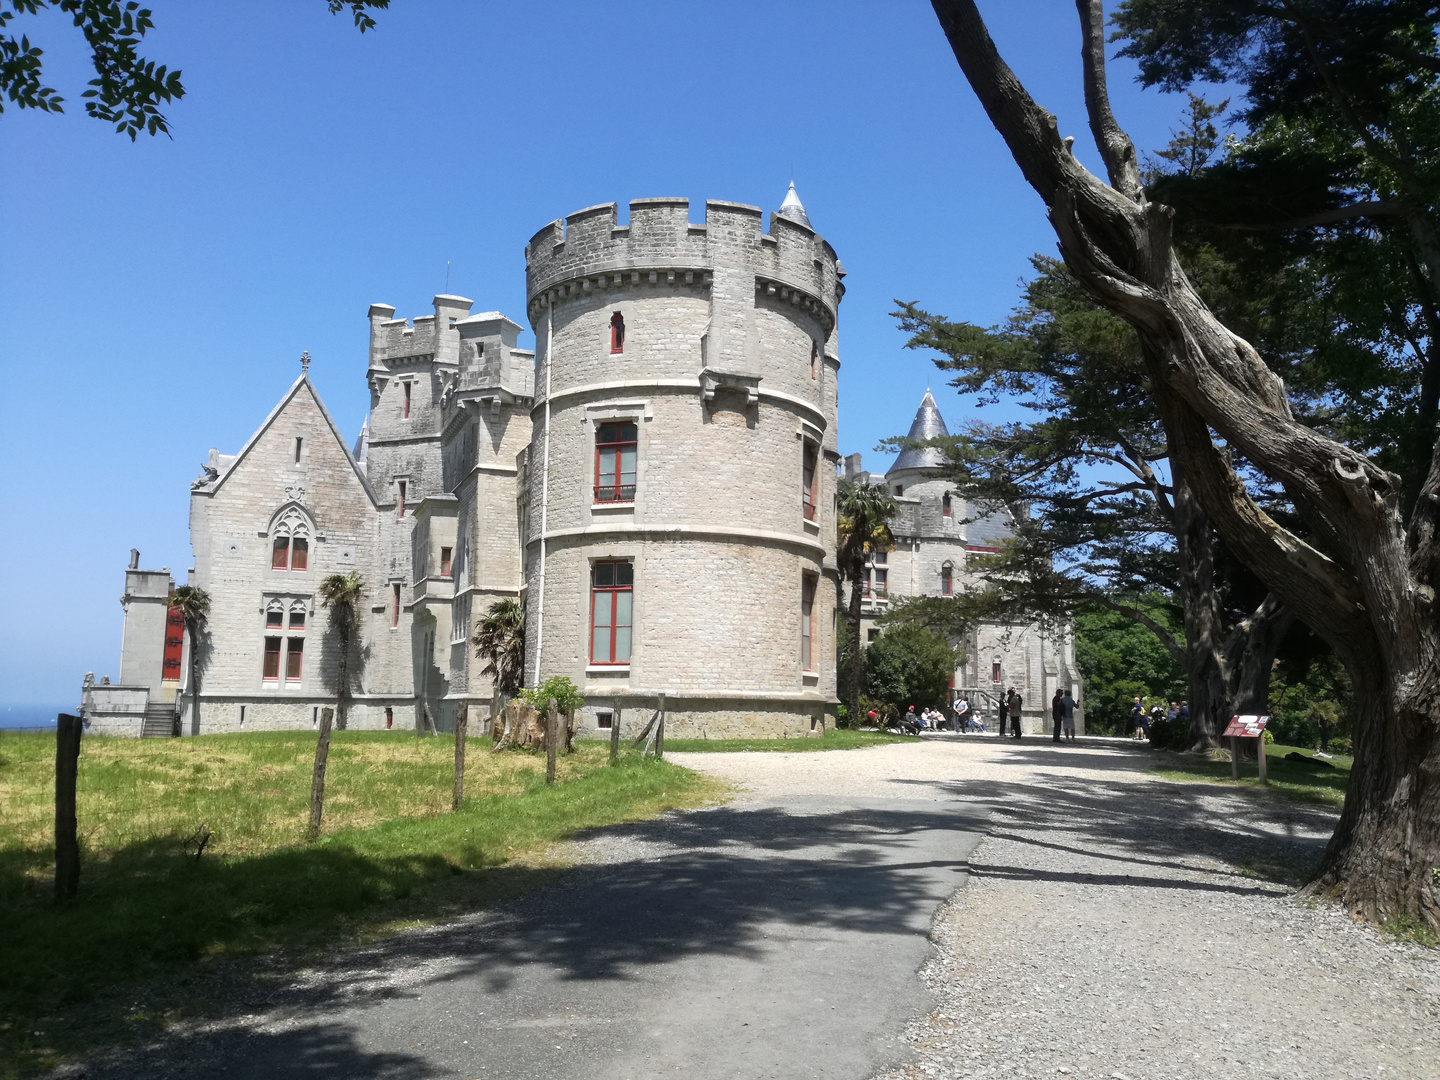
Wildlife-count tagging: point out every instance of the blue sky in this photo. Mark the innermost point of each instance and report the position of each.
(157, 295)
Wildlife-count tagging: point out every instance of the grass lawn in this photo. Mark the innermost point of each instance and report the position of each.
(1308, 781)
(151, 919)
(833, 739)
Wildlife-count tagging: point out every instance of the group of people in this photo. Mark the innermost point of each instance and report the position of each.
(968, 718)
(1140, 720)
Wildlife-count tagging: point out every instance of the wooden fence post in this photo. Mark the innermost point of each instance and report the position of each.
(67, 846)
(317, 781)
(660, 732)
(1234, 757)
(615, 737)
(462, 727)
(1260, 757)
(552, 739)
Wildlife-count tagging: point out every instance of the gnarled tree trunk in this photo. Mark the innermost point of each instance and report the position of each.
(1366, 583)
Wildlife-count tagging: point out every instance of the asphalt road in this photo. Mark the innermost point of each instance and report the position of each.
(778, 938)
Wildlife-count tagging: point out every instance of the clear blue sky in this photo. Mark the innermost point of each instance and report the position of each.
(156, 295)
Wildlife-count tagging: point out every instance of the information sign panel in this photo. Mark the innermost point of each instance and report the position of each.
(1246, 727)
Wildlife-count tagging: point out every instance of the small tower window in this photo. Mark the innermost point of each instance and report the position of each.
(617, 333)
(899, 489)
(395, 610)
(444, 562)
(809, 456)
(405, 408)
(400, 498)
(814, 360)
(945, 505)
(947, 581)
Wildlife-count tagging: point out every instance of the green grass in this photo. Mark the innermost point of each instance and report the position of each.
(833, 739)
(151, 920)
(1301, 781)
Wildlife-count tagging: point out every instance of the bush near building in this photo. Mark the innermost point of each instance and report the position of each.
(910, 665)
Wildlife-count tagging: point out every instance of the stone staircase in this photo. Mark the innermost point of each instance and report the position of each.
(159, 720)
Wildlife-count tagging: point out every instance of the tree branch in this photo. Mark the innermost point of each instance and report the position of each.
(1115, 147)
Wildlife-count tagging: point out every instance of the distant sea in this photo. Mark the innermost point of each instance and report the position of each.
(31, 717)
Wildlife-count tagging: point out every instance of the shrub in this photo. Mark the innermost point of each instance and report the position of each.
(567, 696)
(1168, 735)
(911, 664)
(1341, 746)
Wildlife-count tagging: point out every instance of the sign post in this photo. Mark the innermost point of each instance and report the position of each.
(1247, 727)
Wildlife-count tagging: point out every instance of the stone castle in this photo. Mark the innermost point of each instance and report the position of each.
(655, 483)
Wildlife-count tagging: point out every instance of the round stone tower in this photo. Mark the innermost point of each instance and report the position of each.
(677, 497)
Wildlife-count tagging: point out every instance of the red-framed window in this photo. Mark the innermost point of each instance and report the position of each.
(615, 450)
(947, 581)
(995, 672)
(809, 456)
(899, 489)
(297, 619)
(617, 333)
(807, 622)
(405, 407)
(879, 556)
(605, 720)
(400, 486)
(294, 658)
(290, 553)
(271, 671)
(612, 608)
(882, 578)
(395, 605)
(174, 645)
(274, 620)
(945, 505)
(389, 717)
(445, 562)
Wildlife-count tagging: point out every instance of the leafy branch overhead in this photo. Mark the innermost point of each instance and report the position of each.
(128, 89)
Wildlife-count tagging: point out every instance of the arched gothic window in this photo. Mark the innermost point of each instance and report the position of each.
(290, 529)
(947, 580)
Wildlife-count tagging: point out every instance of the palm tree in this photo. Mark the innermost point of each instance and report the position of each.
(865, 513)
(341, 594)
(193, 603)
(500, 638)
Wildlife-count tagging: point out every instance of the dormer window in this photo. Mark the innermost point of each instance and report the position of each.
(617, 333)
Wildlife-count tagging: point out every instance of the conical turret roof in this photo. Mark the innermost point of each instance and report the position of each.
(792, 209)
(929, 424)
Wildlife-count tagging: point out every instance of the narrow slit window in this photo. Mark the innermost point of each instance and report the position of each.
(612, 593)
(947, 581)
(617, 333)
(314, 715)
(280, 555)
(299, 553)
(444, 562)
(615, 461)
(400, 498)
(389, 717)
(807, 611)
(294, 658)
(298, 443)
(405, 407)
(395, 606)
(814, 360)
(809, 456)
(242, 715)
(995, 672)
(945, 505)
(271, 671)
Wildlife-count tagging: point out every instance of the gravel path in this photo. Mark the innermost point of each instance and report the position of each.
(1114, 925)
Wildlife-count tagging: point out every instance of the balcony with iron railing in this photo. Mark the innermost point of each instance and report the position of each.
(614, 493)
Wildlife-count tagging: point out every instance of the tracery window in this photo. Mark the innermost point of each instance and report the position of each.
(290, 549)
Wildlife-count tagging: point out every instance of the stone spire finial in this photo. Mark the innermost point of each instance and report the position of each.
(305, 363)
(792, 209)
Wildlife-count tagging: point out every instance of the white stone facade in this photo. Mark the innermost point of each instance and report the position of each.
(696, 362)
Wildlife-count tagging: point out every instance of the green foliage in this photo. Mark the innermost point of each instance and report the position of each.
(1120, 661)
(128, 89)
(567, 696)
(500, 638)
(910, 664)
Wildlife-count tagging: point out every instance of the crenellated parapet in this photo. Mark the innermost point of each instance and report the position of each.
(589, 253)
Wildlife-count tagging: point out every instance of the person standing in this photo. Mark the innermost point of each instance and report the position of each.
(1055, 712)
(1015, 702)
(1067, 715)
(1137, 718)
(962, 714)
